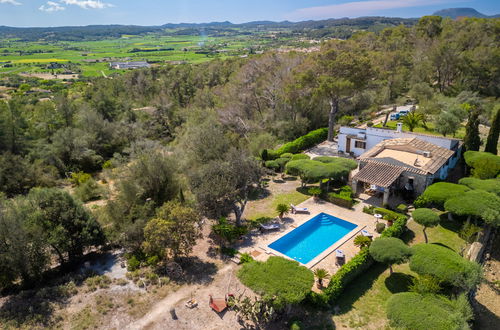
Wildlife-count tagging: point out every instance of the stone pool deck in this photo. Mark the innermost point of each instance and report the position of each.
(257, 243)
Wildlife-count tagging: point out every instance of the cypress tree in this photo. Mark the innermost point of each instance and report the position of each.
(472, 141)
(492, 141)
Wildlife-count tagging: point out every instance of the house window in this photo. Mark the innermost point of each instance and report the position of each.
(360, 144)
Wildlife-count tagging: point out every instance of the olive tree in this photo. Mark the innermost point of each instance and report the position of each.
(426, 218)
(389, 250)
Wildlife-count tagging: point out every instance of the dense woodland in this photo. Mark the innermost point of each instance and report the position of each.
(197, 153)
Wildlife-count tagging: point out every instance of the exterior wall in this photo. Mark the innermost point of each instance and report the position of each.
(377, 135)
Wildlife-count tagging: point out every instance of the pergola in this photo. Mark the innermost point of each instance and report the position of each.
(380, 174)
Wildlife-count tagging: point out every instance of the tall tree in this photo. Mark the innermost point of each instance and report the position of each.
(340, 73)
(492, 141)
(472, 141)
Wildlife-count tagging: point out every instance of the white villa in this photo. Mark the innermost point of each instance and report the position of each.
(392, 161)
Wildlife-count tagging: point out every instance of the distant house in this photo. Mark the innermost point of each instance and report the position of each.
(396, 161)
(129, 65)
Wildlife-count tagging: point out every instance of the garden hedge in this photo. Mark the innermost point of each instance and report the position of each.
(342, 198)
(491, 185)
(409, 310)
(438, 193)
(446, 265)
(300, 144)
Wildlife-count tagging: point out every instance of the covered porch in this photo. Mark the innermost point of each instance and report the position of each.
(377, 181)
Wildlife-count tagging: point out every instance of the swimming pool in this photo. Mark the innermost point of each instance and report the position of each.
(307, 241)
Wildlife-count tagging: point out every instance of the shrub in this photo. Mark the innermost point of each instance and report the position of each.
(300, 144)
(228, 232)
(426, 218)
(476, 203)
(469, 232)
(345, 120)
(389, 250)
(438, 193)
(484, 165)
(314, 191)
(272, 164)
(348, 272)
(424, 284)
(342, 198)
(245, 258)
(89, 190)
(282, 209)
(77, 178)
(278, 280)
(133, 264)
(369, 209)
(491, 185)
(321, 274)
(231, 252)
(386, 214)
(287, 155)
(379, 227)
(408, 310)
(296, 325)
(397, 228)
(446, 265)
(362, 241)
(153, 261)
(311, 171)
(300, 156)
(401, 208)
(282, 162)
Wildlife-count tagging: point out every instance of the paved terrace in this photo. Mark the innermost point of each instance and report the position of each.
(257, 244)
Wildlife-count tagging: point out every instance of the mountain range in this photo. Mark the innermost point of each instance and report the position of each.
(462, 12)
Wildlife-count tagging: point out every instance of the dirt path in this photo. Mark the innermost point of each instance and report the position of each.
(202, 317)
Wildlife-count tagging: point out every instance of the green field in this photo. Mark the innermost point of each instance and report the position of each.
(18, 56)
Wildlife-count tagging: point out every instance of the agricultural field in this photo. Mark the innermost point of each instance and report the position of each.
(91, 58)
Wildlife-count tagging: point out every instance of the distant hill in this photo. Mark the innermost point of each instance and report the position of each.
(461, 12)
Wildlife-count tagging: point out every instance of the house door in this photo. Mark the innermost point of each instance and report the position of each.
(348, 145)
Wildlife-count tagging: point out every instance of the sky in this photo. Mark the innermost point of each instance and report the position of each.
(158, 12)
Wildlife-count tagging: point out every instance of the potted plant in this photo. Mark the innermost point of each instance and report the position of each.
(321, 274)
(315, 192)
(282, 209)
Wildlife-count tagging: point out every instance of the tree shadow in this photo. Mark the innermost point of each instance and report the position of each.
(196, 271)
(484, 317)
(408, 236)
(443, 245)
(33, 306)
(359, 287)
(451, 225)
(398, 282)
(258, 194)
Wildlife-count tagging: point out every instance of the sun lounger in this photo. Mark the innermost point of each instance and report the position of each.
(339, 257)
(296, 209)
(269, 227)
(366, 233)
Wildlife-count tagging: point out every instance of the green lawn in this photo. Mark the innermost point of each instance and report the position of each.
(362, 304)
(430, 129)
(268, 207)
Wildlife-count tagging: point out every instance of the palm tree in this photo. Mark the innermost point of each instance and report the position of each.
(413, 120)
(282, 209)
(321, 274)
(362, 241)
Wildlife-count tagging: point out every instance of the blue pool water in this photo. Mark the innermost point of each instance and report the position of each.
(313, 237)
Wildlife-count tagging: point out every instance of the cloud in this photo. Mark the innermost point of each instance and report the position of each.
(359, 8)
(88, 4)
(51, 7)
(12, 2)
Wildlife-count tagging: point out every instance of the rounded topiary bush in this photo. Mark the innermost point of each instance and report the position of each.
(300, 156)
(272, 164)
(438, 193)
(389, 250)
(408, 310)
(446, 265)
(426, 218)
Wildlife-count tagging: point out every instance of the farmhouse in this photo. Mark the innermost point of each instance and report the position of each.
(398, 162)
(129, 65)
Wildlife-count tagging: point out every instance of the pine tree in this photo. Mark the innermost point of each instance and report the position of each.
(472, 141)
(492, 141)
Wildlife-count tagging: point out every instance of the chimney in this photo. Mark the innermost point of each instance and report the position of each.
(399, 128)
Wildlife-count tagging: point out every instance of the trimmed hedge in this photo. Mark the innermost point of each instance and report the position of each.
(438, 193)
(300, 144)
(342, 198)
(353, 268)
